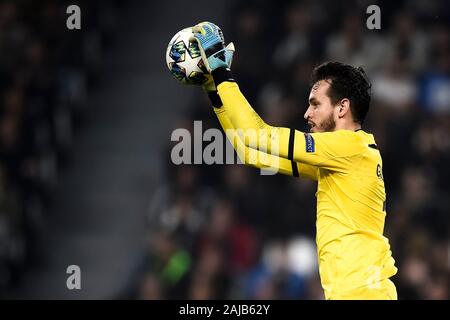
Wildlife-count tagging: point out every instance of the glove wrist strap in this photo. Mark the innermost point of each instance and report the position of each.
(215, 99)
(221, 75)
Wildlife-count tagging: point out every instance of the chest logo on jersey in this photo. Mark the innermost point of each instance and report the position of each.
(309, 143)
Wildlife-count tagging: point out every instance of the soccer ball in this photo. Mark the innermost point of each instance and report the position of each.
(184, 59)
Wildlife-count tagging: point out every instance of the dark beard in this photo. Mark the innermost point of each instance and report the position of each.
(328, 125)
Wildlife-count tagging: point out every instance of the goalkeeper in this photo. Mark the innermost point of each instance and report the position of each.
(355, 260)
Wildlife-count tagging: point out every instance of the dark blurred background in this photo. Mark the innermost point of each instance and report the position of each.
(86, 177)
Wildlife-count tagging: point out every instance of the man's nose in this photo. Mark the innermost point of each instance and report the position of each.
(306, 115)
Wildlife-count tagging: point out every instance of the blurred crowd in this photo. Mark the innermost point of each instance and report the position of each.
(225, 231)
(46, 72)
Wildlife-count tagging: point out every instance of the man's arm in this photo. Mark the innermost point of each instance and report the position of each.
(256, 158)
(329, 150)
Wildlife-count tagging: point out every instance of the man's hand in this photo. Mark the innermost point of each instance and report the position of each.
(212, 46)
(209, 85)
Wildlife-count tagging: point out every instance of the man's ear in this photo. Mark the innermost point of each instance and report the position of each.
(344, 107)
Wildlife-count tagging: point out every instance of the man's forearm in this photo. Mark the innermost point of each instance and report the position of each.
(249, 156)
(252, 130)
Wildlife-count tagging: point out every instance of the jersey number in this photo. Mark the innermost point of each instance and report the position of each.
(379, 172)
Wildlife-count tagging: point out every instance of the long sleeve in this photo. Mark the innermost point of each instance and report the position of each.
(328, 150)
(259, 159)
(249, 156)
(252, 130)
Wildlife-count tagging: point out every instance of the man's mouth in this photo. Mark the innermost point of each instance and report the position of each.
(311, 125)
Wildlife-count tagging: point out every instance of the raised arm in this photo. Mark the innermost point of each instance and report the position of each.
(328, 150)
(257, 158)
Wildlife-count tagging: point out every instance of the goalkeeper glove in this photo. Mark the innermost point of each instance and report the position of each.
(212, 46)
(210, 85)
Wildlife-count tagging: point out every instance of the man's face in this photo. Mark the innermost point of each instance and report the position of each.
(320, 113)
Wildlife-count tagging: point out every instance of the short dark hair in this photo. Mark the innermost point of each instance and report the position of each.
(346, 82)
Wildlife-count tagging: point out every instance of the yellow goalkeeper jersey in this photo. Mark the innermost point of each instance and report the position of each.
(355, 260)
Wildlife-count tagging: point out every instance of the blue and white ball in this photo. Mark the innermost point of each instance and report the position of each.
(184, 60)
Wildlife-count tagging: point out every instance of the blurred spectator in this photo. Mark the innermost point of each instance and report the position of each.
(354, 44)
(393, 86)
(435, 82)
(407, 42)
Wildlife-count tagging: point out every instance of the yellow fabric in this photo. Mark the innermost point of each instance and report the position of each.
(385, 290)
(258, 158)
(353, 253)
